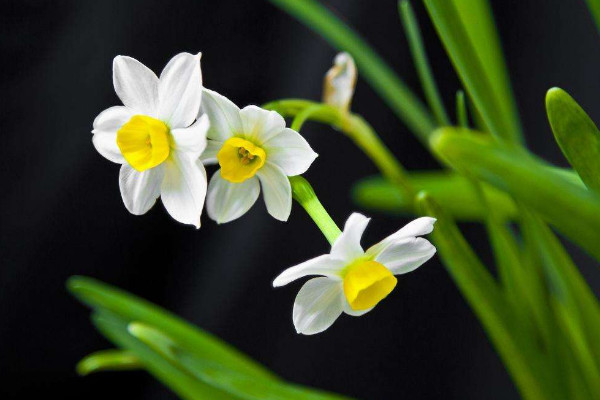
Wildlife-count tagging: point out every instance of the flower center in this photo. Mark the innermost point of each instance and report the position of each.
(366, 283)
(144, 142)
(240, 159)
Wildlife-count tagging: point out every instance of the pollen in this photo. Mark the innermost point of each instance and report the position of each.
(366, 283)
(240, 159)
(144, 142)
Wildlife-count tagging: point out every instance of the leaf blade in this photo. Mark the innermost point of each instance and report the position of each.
(576, 134)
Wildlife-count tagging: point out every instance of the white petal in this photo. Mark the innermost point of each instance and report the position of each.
(106, 144)
(348, 310)
(227, 201)
(140, 190)
(277, 191)
(180, 90)
(418, 227)
(136, 85)
(192, 140)
(322, 265)
(290, 151)
(106, 125)
(260, 125)
(111, 119)
(209, 155)
(347, 245)
(184, 188)
(406, 255)
(318, 304)
(223, 114)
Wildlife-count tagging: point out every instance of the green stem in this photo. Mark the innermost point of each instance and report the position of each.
(415, 42)
(304, 194)
(353, 126)
(305, 114)
(380, 76)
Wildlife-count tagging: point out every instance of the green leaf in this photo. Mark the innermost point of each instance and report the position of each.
(178, 380)
(576, 134)
(576, 306)
(462, 117)
(454, 191)
(515, 347)
(467, 30)
(571, 208)
(371, 66)
(108, 360)
(594, 6)
(246, 387)
(415, 42)
(189, 337)
(215, 375)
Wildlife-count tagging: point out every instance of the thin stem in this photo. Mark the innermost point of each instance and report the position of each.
(304, 194)
(353, 126)
(380, 76)
(417, 49)
(305, 114)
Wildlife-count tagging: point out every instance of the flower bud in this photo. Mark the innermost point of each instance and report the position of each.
(339, 82)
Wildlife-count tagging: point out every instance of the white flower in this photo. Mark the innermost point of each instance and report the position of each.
(154, 136)
(251, 145)
(353, 280)
(339, 82)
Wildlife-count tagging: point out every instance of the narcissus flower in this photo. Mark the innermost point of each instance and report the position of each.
(353, 281)
(251, 145)
(339, 82)
(156, 136)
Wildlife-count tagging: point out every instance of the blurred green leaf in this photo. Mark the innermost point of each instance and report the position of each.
(108, 360)
(572, 209)
(248, 388)
(189, 372)
(467, 30)
(415, 42)
(131, 308)
(594, 6)
(454, 191)
(576, 134)
(178, 380)
(371, 66)
(575, 304)
(462, 118)
(515, 347)
(213, 374)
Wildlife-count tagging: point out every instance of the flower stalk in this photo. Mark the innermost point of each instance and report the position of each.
(304, 194)
(353, 126)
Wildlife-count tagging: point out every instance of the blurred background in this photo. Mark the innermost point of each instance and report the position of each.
(61, 212)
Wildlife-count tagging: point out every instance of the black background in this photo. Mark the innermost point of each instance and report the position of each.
(61, 212)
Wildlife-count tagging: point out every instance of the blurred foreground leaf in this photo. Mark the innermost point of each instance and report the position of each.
(571, 208)
(467, 30)
(193, 363)
(178, 380)
(454, 191)
(131, 308)
(576, 134)
(108, 360)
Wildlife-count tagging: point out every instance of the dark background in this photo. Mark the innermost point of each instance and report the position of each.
(61, 213)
